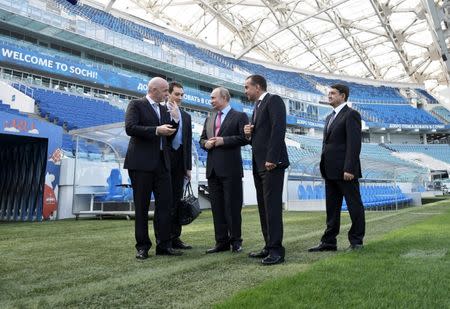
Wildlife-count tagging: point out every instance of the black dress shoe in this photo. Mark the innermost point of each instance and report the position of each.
(323, 247)
(142, 254)
(355, 247)
(236, 248)
(272, 260)
(178, 244)
(168, 251)
(259, 255)
(218, 248)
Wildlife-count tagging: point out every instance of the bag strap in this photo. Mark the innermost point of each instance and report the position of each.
(188, 190)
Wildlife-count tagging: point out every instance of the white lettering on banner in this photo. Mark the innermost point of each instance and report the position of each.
(82, 72)
(48, 63)
(142, 87)
(27, 58)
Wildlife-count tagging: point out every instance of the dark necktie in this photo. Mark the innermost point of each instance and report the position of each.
(256, 110)
(333, 115)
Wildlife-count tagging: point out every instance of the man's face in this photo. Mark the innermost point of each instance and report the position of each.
(160, 92)
(252, 91)
(335, 98)
(177, 95)
(217, 102)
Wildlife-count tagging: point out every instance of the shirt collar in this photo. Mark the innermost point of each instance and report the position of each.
(262, 96)
(150, 100)
(226, 109)
(339, 108)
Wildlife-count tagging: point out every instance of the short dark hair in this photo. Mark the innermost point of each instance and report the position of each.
(343, 89)
(173, 85)
(256, 79)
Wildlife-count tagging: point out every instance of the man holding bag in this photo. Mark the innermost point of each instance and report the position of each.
(180, 161)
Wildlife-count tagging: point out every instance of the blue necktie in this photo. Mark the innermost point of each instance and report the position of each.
(177, 141)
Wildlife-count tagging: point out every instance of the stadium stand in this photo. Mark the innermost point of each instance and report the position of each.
(429, 98)
(374, 196)
(365, 93)
(437, 151)
(398, 114)
(441, 113)
(7, 109)
(75, 111)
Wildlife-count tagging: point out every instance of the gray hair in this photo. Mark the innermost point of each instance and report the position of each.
(224, 93)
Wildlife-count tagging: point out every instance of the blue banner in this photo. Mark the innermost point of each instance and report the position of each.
(70, 68)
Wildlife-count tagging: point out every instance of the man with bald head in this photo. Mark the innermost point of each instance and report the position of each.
(151, 128)
(222, 137)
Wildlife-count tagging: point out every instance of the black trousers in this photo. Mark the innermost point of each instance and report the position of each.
(335, 191)
(144, 183)
(226, 205)
(269, 194)
(177, 175)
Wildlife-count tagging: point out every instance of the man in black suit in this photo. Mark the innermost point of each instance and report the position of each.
(341, 168)
(150, 127)
(222, 138)
(180, 160)
(266, 134)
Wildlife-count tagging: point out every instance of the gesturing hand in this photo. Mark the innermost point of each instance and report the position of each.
(165, 130)
(248, 129)
(173, 109)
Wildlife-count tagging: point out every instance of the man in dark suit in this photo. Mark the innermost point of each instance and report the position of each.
(222, 138)
(341, 168)
(266, 134)
(150, 127)
(180, 160)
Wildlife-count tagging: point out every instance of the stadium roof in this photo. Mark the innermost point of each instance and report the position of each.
(395, 40)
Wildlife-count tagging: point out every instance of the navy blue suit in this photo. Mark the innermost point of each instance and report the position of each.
(340, 153)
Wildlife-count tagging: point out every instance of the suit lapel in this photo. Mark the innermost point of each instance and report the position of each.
(210, 125)
(150, 109)
(261, 105)
(226, 121)
(338, 117)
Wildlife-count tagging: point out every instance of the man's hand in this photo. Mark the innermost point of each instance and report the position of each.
(248, 129)
(173, 109)
(209, 144)
(270, 166)
(165, 130)
(218, 141)
(188, 175)
(348, 176)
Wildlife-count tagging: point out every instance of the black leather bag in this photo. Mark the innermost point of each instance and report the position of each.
(189, 208)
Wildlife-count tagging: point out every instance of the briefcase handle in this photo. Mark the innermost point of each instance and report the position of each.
(188, 190)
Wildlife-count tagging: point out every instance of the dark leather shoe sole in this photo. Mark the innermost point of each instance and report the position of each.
(321, 248)
(169, 252)
(355, 247)
(182, 247)
(258, 255)
(217, 249)
(272, 260)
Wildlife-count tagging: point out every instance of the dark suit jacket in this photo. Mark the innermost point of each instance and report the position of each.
(268, 135)
(141, 121)
(186, 139)
(342, 145)
(225, 160)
